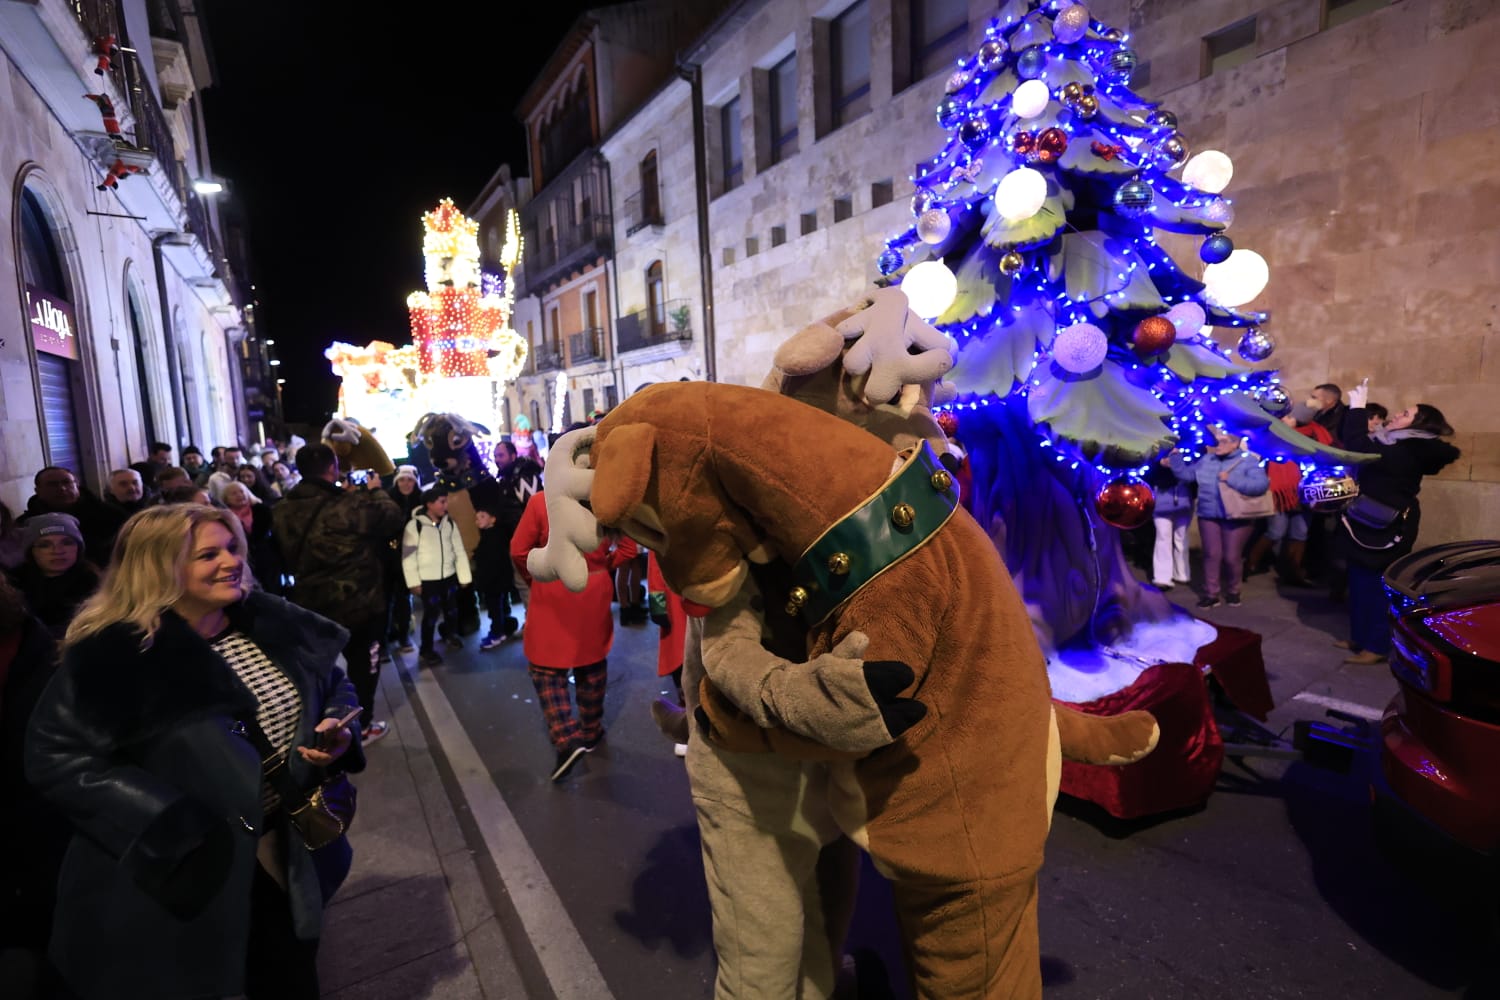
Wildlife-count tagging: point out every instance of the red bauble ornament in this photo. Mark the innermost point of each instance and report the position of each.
(1153, 335)
(1025, 143)
(948, 421)
(1051, 144)
(1125, 503)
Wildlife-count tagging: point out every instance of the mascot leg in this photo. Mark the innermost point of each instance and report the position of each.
(972, 939)
(780, 878)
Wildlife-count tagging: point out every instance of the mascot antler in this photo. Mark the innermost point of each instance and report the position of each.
(572, 530)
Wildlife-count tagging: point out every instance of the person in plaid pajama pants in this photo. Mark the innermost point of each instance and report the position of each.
(568, 633)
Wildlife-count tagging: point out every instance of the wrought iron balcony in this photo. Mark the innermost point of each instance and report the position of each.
(586, 346)
(545, 360)
(671, 323)
(642, 209)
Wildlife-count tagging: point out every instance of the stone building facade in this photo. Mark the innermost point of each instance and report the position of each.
(1365, 136)
(119, 320)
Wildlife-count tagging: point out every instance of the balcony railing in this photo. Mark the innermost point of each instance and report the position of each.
(545, 360)
(586, 346)
(559, 246)
(642, 209)
(670, 324)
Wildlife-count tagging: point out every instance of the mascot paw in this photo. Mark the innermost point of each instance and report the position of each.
(895, 346)
(671, 718)
(573, 530)
(887, 679)
(1105, 739)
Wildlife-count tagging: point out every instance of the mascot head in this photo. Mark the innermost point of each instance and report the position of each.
(356, 447)
(449, 439)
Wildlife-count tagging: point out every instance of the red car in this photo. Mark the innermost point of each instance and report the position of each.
(1440, 736)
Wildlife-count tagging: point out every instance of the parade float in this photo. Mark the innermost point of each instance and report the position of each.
(1086, 352)
(463, 351)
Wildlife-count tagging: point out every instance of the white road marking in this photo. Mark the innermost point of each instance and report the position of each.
(1353, 708)
(565, 959)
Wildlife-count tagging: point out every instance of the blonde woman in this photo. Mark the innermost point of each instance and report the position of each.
(184, 878)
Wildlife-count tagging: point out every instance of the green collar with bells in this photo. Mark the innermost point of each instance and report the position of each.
(891, 525)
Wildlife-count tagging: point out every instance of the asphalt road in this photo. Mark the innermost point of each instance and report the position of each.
(1274, 889)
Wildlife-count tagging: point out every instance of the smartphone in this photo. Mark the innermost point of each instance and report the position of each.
(359, 477)
(325, 738)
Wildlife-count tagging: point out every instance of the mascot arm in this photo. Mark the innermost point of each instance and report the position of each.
(836, 701)
(573, 529)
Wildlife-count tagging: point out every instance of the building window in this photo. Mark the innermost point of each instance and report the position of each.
(843, 208)
(656, 298)
(849, 58)
(728, 256)
(939, 29)
(734, 157)
(650, 191)
(588, 404)
(778, 235)
(555, 337)
(1337, 12)
(881, 193)
(809, 222)
(784, 109)
(752, 246)
(611, 397)
(1231, 47)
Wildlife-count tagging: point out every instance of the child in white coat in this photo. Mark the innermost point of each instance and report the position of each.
(435, 565)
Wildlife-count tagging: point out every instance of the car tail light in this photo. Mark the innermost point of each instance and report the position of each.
(1420, 664)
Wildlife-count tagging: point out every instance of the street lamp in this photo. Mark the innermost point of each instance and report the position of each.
(207, 187)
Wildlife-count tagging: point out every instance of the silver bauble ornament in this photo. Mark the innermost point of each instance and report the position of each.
(1255, 344)
(991, 55)
(934, 225)
(1170, 152)
(1162, 118)
(950, 111)
(1274, 400)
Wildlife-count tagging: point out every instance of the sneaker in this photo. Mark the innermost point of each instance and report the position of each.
(566, 758)
(1233, 600)
(492, 642)
(375, 733)
(1209, 602)
(680, 749)
(430, 659)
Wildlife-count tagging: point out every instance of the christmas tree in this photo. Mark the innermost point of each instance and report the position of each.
(1085, 351)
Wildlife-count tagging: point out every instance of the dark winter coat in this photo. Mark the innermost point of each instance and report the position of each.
(519, 482)
(332, 541)
(491, 563)
(143, 750)
(264, 553)
(55, 599)
(1395, 479)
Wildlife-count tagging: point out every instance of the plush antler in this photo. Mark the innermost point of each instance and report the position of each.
(885, 334)
(572, 530)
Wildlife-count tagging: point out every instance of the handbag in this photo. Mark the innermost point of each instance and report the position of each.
(1371, 517)
(1238, 506)
(322, 815)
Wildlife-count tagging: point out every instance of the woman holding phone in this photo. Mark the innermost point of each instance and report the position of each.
(185, 878)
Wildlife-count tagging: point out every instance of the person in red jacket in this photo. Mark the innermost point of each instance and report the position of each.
(568, 632)
(668, 614)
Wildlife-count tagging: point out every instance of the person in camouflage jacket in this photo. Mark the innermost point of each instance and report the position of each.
(332, 539)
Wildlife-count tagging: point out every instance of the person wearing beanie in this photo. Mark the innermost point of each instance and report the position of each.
(54, 576)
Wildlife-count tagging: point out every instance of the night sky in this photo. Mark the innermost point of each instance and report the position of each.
(336, 126)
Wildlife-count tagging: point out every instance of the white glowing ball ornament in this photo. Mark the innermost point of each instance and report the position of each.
(1237, 280)
(1020, 194)
(930, 288)
(1030, 99)
(1080, 348)
(1209, 171)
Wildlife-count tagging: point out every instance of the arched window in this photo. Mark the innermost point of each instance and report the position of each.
(656, 299)
(54, 333)
(140, 331)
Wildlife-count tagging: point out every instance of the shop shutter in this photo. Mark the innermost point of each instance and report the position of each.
(58, 421)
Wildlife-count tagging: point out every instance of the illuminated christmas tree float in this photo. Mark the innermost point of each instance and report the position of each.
(463, 351)
(1085, 352)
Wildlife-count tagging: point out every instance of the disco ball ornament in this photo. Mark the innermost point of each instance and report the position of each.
(1011, 263)
(1080, 348)
(1327, 490)
(1274, 400)
(1218, 210)
(1051, 145)
(1255, 345)
(1216, 249)
(1031, 63)
(934, 225)
(1162, 118)
(1153, 335)
(1120, 66)
(1071, 24)
(975, 133)
(991, 55)
(1133, 198)
(1086, 106)
(889, 261)
(1125, 503)
(950, 111)
(1170, 152)
(959, 80)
